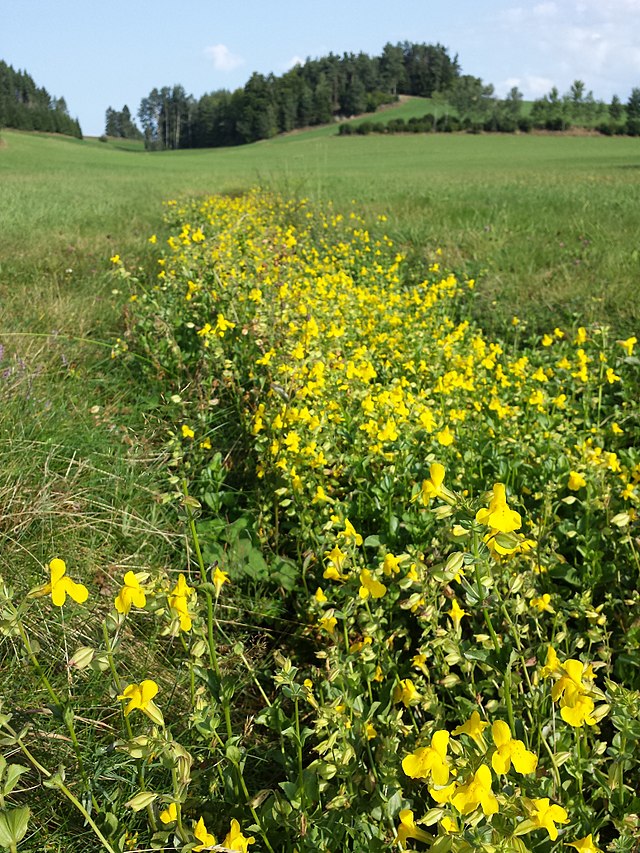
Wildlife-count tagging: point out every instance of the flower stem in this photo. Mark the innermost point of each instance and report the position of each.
(59, 784)
(67, 717)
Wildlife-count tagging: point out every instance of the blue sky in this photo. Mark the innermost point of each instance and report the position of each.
(113, 52)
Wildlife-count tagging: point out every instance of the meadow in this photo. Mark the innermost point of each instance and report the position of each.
(349, 467)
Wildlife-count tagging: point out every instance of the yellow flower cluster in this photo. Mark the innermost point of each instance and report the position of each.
(353, 367)
(469, 791)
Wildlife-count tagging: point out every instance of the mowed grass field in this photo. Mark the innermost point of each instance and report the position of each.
(547, 224)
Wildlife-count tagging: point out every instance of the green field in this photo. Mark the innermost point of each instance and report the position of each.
(547, 226)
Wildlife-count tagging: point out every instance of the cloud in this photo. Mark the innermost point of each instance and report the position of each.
(590, 40)
(295, 60)
(545, 10)
(222, 58)
(530, 85)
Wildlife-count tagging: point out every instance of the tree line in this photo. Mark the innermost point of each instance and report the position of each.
(314, 92)
(25, 106)
(470, 105)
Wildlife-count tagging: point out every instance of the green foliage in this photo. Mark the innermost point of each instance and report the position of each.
(25, 106)
(309, 94)
(119, 124)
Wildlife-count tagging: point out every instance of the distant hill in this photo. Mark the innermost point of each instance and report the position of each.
(25, 106)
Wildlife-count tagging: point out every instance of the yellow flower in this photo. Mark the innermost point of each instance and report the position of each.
(473, 727)
(581, 335)
(509, 750)
(178, 601)
(370, 731)
(584, 845)
(328, 623)
(446, 436)
(205, 838)
(476, 792)
(456, 613)
(169, 814)
(551, 665)
(337, 559)
(235, 840)
(543, 602)
(321, 496)
(370, 586)
(187, 432)
(612, 376)
(432, 488)
(350, 534)
(449, 825)
(497, 515)
(140, 696)
(220, 578)
(131, 594)
(222, 324)
(405, 691)
(629, 344)
(430, 761)
(408, 829)
(391, 564)
(546, 816)
(576, 481)
(60, 586)
(575, 705)
(320, 597)
(579, 712)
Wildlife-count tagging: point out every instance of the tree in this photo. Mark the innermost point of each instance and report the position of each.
(149, 115)
(470, 97)
(633, 104)
(576, 93)
(633, 113)
(513, 102)
(258, 115)
(111, 122)
(322, 108)
(616, 109)
(25, 106)
(392, 70)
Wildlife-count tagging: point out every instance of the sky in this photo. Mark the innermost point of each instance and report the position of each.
(111, 53)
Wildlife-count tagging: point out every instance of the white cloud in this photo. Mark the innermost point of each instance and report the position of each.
(545, 10)
(295, 60)
(222, 58)
(530, 85)
(590, 40)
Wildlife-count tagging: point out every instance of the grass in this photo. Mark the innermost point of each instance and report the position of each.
(548, 226)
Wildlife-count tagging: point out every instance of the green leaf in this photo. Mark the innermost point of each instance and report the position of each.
(13, 826)
(141, 800)
(14, 772)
